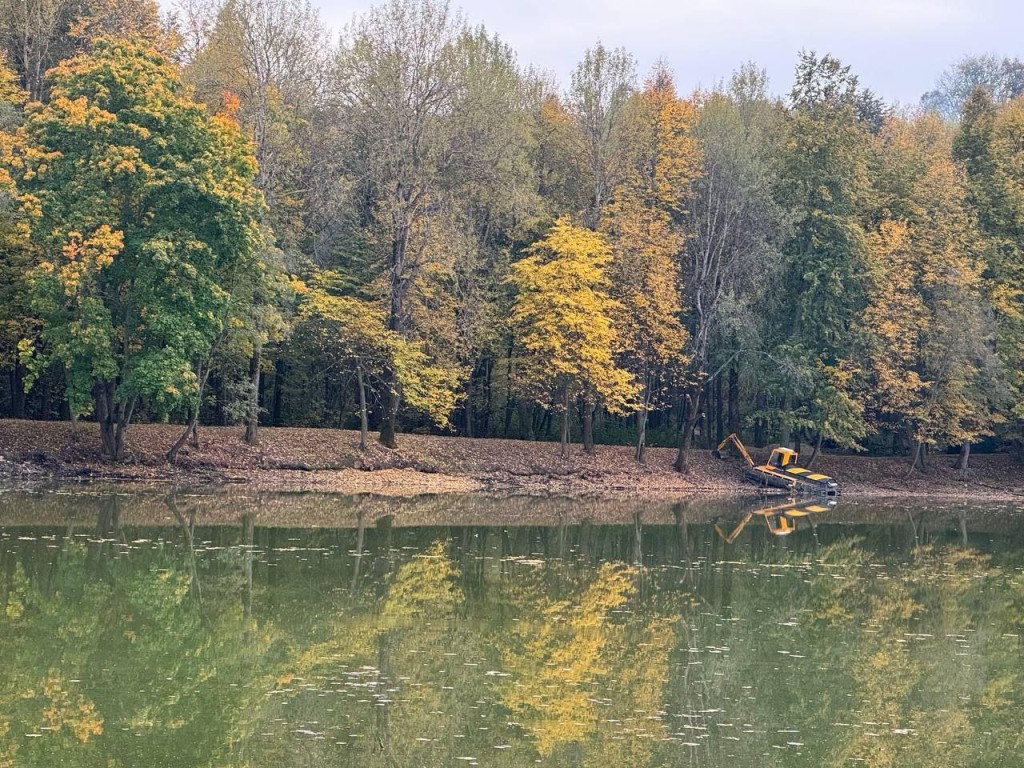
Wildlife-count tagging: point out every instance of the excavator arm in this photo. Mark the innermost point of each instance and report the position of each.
(735, 440)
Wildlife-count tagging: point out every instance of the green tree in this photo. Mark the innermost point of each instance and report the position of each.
(824, 182)
(147, 216)
(16, 321)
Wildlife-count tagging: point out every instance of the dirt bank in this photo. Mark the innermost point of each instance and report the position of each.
(329, 460)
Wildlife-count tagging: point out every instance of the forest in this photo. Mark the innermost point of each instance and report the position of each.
(231, 214)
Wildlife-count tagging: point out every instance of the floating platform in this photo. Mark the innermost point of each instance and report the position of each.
(794, 479)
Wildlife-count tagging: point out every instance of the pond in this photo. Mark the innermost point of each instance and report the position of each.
(224, 629)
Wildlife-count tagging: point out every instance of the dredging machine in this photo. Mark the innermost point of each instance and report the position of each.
(781, 470)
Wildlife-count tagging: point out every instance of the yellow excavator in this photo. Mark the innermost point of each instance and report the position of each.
(780, 519)
(781, 471)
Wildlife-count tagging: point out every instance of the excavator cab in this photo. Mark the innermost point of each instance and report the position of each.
(782, 458)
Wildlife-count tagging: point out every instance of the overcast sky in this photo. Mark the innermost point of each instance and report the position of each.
(896, 47)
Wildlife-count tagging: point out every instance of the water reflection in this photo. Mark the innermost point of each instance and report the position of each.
(182, 631)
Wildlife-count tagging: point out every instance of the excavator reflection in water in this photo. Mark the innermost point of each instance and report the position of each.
(780, 519)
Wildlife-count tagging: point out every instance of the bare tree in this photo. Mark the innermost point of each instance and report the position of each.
(35, 35)
(598, 97)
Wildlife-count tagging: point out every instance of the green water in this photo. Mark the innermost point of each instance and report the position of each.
(179, 631)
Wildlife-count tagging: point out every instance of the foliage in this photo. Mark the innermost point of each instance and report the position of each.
(145, 210)
(563, 316)
(349, 334)
(1002, 80)
(785, 265)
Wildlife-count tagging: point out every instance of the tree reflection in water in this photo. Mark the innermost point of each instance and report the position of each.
(659, 641)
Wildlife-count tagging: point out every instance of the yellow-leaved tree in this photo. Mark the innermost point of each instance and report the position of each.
(563, 319)
(927, 321)
(352, 336)
(643, 222)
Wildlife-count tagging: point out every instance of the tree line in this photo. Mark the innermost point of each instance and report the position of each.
(226, 215)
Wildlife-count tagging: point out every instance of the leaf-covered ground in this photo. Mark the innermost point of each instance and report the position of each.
(329, 460)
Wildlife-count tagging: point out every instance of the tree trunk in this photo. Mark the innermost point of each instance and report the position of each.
(191, 428)
(963, 461)
(719, 411)
(172, 454)
(734, 400)
(468, 425)
(917, 462)
(388, 427)
(124, 418)
(784, 428)
(814, 453)
(589, 406)
(103, 396)
(641, 452)
(278, 399)
(542, 421)
(17, 392)
(565, 425)
(682, 463)
(252, 411)
(364, 421)
(641, 423)
(485, 428)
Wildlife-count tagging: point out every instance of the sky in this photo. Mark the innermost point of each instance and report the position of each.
(897, 47)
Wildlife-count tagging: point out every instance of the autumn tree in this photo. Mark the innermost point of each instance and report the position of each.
(350, 336)
(147, 215)
(645, 224)
(37, 34)
(988, 144)
(1007, 231)
(645, 283)
(563, 320)
(265, 61)
(421, 97)
(927, 320)
(16, 320)
(139, 19)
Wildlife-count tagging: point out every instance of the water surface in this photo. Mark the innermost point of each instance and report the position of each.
(224, 630)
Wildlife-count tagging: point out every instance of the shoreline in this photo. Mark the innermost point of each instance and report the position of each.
(328, 461)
